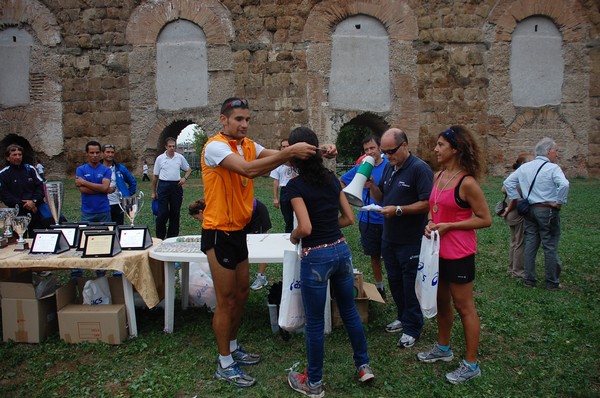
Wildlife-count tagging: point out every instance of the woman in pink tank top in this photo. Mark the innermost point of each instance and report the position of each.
(457, 207)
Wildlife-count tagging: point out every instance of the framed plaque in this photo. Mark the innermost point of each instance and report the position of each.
(70, 231)
(134, 237)
(84, 230)
(100, 243)
(110, 225)
(49, 241)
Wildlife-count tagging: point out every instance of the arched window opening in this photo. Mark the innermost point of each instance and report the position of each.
(181, 66)
(15, 51)
(536, 63)
(360, 72)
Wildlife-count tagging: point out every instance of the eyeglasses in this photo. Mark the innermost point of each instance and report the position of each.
(108, 146)
(394, 150)
(236, 103)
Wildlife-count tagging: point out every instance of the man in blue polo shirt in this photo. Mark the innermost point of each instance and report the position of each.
(370, 224)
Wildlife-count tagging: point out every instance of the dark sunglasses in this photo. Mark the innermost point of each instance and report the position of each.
(107, 146)
(394, 150)
(236, 103)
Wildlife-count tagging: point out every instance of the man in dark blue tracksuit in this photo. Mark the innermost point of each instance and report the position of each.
(21, 185)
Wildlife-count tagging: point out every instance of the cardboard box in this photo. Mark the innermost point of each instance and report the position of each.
(370, 293)
(93, 323)
(25, 318)
(359, 291)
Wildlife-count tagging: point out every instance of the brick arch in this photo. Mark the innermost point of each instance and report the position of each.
(155, 135)
(149, 18)
(400, 22)
(567, 15)
(40, 120)
(548, 121)
(510, 128)
(397, 17)
(34, 14)
(143, 28)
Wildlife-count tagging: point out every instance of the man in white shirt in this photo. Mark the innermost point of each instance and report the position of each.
(542, 224)
(167, 187)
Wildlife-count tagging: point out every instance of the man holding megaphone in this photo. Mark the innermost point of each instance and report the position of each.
(370, 223)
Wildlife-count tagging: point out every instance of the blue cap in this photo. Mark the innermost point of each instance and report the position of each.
(155, 207)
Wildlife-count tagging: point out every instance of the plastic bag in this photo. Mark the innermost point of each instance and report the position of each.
(96, 291)
(426, 282)
(291, 310)
(202, 290)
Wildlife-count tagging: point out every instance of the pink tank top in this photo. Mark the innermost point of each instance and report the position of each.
(456, 243)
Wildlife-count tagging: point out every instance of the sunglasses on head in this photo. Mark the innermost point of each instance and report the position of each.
(236, 103)
(450, 136)
(392, 151)
(108, 146)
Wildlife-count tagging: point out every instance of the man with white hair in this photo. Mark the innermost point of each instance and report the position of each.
(545, 187)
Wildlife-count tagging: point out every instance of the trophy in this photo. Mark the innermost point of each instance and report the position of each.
(8, 214)
(3, 240)
(133, 237)
(131, 205)
(20, 224)
(55, 195)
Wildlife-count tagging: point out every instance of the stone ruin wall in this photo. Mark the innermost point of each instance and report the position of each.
(94, 66)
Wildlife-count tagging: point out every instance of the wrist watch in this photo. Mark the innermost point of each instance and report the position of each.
(398, 211)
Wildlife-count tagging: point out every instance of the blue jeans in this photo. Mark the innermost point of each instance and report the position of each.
(332, 264)
(542, 225)
(401, 262)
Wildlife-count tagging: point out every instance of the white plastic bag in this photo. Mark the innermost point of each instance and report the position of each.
(96, 291)
(426, 282)
(291, 309)
(202, 290)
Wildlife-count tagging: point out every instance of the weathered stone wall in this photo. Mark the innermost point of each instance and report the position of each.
(96, 70)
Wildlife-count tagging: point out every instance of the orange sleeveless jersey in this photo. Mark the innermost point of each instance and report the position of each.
(229, 196)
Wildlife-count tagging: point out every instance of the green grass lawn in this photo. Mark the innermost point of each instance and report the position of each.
(534, 343)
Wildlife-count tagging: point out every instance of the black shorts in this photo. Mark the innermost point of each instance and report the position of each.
(370, 238)
(260, 222)
(231, 248)
(461, 270)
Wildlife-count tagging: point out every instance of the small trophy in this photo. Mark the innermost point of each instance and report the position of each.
(9, 214)
(3, 240)
(53, 240)
(133, 237)
(55, 196)
(131, 205)
(20, 224)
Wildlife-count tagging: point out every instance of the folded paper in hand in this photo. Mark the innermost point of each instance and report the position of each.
(371, 207)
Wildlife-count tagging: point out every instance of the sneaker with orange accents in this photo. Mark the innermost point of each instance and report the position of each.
(364, 373)
(299, 382)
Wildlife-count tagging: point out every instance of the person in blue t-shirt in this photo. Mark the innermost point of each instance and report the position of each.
(370, 223)
(93, 181)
